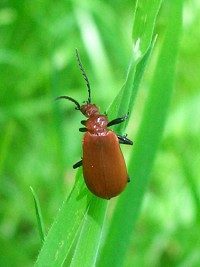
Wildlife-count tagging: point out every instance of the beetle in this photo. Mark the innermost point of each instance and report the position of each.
(104, 168)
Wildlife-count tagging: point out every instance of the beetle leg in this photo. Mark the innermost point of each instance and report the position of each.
(124, 140)
(78, 164)
(118, 120)
(129, 179)
(83, 122)
(83, 130)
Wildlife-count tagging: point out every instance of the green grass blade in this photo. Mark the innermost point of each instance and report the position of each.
(126, 92)
(146, 144)
(120, 104)
(38, 211)
(125, 100)
(144, 21)
(65, 227)
(139, 72)
(90, 237)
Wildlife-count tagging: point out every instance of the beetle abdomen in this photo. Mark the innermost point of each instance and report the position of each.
(104, 168)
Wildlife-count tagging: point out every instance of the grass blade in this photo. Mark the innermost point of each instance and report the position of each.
(39, 216)
(143, 26)
(125, 100)
(144, 21)
(65, 227)
(90, 236)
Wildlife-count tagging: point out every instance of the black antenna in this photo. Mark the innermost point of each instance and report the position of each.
(78, 107)
(84, 75)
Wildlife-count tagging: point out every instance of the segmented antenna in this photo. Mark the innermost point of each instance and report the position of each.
(78, 107)
(84, 75)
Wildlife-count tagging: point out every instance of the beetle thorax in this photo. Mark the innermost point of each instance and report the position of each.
(97, 124)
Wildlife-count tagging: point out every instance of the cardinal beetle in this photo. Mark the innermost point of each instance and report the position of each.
(104, 168)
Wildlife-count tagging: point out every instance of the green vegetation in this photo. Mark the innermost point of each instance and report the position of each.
(156, 220)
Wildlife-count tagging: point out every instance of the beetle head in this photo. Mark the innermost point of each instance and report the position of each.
(89, 110)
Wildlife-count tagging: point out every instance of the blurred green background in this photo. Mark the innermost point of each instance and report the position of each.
(39, 138)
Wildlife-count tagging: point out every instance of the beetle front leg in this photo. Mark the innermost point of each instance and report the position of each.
(78, 164)
(124, 140)
(83, 122)
(118, 120)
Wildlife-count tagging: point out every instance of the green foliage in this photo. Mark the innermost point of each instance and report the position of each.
(155, 222)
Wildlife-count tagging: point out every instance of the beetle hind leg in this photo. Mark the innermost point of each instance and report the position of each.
(124, 140)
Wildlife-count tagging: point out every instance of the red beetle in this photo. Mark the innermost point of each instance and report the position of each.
(104, 168)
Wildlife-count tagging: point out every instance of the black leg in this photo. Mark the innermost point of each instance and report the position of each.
(118, 120)
(129, 179)
(124, 140)
(83, 130)
(78, 164)
(83, 122)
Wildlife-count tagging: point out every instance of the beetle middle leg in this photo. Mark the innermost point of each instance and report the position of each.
(118, 120)
(124, 140)
(83, 130)
(78, 164)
